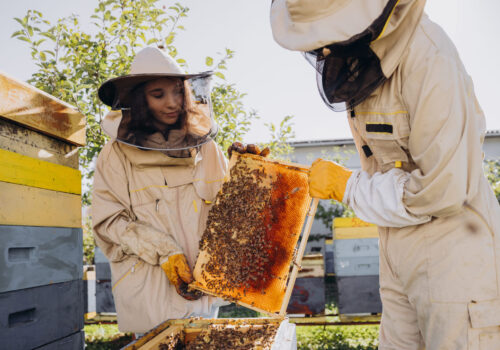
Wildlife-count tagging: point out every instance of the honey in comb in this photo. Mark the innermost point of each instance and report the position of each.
(252, 231)
(235, 233)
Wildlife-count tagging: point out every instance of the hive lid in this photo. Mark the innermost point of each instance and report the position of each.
(34, 108)
(250, 242)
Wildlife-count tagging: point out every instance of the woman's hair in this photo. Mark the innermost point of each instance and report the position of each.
(138, 121)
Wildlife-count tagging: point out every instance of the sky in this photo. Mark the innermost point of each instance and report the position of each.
(278, 82)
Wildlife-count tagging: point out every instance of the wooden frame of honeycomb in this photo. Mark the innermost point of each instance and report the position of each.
(253, 333)
(250, 241)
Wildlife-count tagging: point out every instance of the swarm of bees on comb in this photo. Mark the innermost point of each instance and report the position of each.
(235, 233)
(252, 232)
(218, 337)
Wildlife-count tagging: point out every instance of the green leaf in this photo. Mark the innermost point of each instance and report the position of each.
(23, 38)
(209, 61)
(220, 75)
(170, 39)
(19, 32)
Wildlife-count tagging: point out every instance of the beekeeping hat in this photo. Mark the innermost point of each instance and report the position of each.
(150, 64)
(305, 25)
(335, 36)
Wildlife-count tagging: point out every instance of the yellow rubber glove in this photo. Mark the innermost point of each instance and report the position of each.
(179, 274)
(328, 180)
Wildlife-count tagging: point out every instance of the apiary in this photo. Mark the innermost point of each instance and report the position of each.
(356, 265)
(216, 334)
(252, 232)
(41, 262)
(308, 295)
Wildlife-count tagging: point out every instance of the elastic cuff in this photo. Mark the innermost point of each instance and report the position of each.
(350, 185)
(164, 259)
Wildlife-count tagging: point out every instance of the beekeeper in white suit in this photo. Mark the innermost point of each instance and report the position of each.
(419, 130)
(154, 184)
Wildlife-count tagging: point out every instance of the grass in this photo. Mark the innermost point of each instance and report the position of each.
(105, 337)
(337, 337)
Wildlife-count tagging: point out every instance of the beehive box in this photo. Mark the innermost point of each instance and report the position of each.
(355, 245)
(214, 334)
(41, 298)
(252, 231)
(308, 295)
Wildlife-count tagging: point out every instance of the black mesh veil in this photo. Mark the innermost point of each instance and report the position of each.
(194, 126)
(346, 75)
(348, 72)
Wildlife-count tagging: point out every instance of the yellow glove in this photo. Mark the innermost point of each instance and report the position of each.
(328, 180)
(179, 274)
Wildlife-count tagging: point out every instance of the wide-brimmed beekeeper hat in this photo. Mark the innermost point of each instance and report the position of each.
(197, 126)
(304, 25)
(149, 64)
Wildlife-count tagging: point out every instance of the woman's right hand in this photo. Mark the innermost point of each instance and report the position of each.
(249, 148)
(179, 274)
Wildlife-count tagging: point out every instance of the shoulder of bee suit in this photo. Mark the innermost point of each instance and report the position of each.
(210, 171)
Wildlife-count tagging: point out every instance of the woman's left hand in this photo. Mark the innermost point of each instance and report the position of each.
(179, 274)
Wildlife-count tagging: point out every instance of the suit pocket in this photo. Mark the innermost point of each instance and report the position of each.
(484, 333)
(387, 136)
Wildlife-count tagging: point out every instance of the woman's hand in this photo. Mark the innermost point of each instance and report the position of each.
(179, 274)
(249, 148)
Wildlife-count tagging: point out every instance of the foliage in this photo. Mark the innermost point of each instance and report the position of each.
(337, 338)
(280, 135)
(105, 337)
(73, 62)
(492, 172)
(88, 242)
(236, 311)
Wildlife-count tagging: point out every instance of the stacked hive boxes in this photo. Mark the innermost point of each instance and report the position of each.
(308, 295)
(41, 296)
(355, 245)
(104, 301)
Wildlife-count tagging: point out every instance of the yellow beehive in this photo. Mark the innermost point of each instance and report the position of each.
(40, 218)
(352, 228)
(39, 177)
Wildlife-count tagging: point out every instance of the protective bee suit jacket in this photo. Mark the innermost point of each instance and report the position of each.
(419, 136)
(146, 207)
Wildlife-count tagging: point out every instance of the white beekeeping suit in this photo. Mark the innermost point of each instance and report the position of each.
(153, 187)
(419, 130)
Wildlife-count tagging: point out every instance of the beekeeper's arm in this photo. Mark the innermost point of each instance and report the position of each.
(444, 143)
(119, 233)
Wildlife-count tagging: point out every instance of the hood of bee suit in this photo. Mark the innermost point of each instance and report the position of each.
(140, 157)
(305, 25)
(354, 45)
(195, 124)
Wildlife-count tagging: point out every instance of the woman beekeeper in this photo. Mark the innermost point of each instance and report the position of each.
(419, 130)
(153, 185)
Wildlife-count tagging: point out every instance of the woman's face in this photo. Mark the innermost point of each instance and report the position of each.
(165, 99)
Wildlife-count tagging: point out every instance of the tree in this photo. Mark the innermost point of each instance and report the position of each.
(492, 172)
(72, 63)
